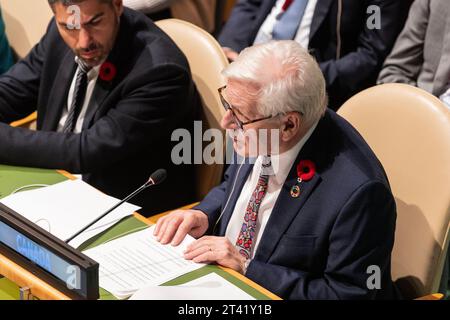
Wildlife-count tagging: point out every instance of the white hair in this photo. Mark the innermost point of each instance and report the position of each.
(288, 77)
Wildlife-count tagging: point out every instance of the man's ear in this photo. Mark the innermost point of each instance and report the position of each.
(291, 126)
(118, 6)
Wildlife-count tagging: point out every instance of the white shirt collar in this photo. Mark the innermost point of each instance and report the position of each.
(93, 72)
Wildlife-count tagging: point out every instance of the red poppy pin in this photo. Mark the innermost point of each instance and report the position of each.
(306, 169)
(107, 72)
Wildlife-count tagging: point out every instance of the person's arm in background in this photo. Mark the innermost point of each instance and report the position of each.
(358, 69)
(148, 6)
(6, 55)
(236, 35)
(404, 63)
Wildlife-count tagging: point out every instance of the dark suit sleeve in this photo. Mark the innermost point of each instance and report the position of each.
(406, 59)
(361, 236)
(151, 103)
(358, 69)
(212, 204)
(237, 33)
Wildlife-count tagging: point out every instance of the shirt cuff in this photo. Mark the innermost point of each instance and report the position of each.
(445, 98)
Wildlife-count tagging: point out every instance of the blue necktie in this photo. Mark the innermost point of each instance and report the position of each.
(286, 27)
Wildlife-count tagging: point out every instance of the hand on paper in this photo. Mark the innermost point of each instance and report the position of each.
(216, 249)
(174, 227)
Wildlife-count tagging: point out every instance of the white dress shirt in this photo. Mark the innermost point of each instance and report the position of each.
(445, 98)
(92, 80)
(302, 36)
(281, 165)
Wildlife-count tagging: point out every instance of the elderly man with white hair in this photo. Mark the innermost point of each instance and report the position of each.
(313, 216)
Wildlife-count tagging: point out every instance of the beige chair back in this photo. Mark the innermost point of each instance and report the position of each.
(26, 22)
(207, 61)
(409, 131)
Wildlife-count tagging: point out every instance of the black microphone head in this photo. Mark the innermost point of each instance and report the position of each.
(158, 176)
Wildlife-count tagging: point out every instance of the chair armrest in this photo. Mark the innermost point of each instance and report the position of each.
(25, 122)
(434, 296)
(154, 219)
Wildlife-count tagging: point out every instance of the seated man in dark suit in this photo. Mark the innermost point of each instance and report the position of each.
(350, 39)
(312, 220)
(109, 90)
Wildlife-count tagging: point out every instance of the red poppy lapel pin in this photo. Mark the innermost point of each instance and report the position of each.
(107, 71)
(306, 169)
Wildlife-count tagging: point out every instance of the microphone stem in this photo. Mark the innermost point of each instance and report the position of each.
(146, 185)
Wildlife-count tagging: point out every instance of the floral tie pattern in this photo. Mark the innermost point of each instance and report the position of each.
(247, 234)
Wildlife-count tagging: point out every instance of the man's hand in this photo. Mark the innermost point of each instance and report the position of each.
(230, 53)
(216, 249)
(174, 227)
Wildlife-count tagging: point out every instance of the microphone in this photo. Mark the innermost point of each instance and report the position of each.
(156, 178)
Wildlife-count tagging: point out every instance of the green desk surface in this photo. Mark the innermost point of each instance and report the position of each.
(8, 290)
(12, 178)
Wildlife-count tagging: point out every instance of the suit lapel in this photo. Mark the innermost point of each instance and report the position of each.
(65, 75)
(100, 93)
(119, 57)
(285, 210)
(266, 8)
(321, 11)
(286, 207)
(264, 11)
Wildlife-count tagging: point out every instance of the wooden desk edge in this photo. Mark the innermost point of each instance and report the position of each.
(25, 279)
(434, 296)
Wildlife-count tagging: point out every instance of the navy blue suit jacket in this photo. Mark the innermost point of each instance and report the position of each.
(362, 53)
(128, 125)
(321, 244)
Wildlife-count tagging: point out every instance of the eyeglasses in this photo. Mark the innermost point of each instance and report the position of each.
(236, 120)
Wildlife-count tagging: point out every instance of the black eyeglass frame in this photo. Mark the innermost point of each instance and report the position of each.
(236, 120)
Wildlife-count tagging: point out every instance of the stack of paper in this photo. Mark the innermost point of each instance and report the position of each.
(138, 260)
(66, 208)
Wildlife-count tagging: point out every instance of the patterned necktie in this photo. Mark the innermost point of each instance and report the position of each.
(247, 234)
(287, 26)
(79, 94)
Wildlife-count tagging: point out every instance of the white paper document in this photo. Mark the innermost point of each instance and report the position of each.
(65, 208)
(209, 287)
(138, 260)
